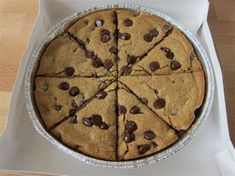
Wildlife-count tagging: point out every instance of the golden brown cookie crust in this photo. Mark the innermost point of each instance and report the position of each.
(114, 66)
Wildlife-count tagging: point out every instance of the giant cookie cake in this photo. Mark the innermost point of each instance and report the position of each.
(119, 85)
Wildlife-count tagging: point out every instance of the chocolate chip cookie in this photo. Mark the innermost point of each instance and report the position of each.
(119, 85)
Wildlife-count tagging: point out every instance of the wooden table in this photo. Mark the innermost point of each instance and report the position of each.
(18, 16)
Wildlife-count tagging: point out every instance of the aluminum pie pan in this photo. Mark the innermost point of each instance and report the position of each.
(191, 132)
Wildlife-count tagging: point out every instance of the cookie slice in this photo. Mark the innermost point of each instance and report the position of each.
(64, 57)
(174, 54)
(92, 130)
(140, 131)
(138, 34)
(56, 98)
(96, 32)
(174, 98)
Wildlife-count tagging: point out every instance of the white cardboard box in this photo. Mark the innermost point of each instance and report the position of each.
(22, 149)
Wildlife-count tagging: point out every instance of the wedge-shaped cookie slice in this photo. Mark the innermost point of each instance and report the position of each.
(56, 98)
(174, 54)
(138, 34)
(140, 131)
(92, 130)
(174, 98)
(96, 32)
(64, 57)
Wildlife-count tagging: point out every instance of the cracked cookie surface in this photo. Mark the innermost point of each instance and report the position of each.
(119, 85)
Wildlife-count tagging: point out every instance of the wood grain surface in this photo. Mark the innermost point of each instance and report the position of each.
(18, 16)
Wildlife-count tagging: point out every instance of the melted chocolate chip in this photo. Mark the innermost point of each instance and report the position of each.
(87, 121)
(135, 110)
(99, 22)
(113, 50)
(128, 137)
(154, 66)
(97, 63)
(170, 55)
(159, 103)
(86, 22)
(105, 38)
(101, 95)
(108, 63)
(130, 126)
(180, 133)
(96, 119)
(64, 86)
(58, 107)
(69, 71)
(74, 91)
(131, 59)
(125, 70)
(143, 148)
(150, 135)
(148, 37)
(122, 109)
(175, 65)
(197, 112)
(124, 36)
(154, 33)
(73, 119)
(103, 126)
(128, 22)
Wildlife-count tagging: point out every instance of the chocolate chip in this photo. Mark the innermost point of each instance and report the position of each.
(96, 119)
(154, 66)
(97, 63)
(143, 148)
(175, 65)
(89, 54)
(103, 126)
(144, 100)
(135, 110)
(170, 55)
(105, 32)
(122, 109)
(148, 37)
(87, 121)
(69, 71)
(159, 103)
(86, 22)
(131, 59)
(167, 29)
(128, 137)
(125, 70)
(154, 33)
(105, 38)
(101, 95)
(58, 107)
(73, 119)
(124, 36)
(64, 86)
(167, 50)
(128, 22)
(113, 50)
(74, 91)
(130, 126)
(99, 22)
(197, 112)
(150, 135)
(180, 133)
(87, 40)
(108, 63)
